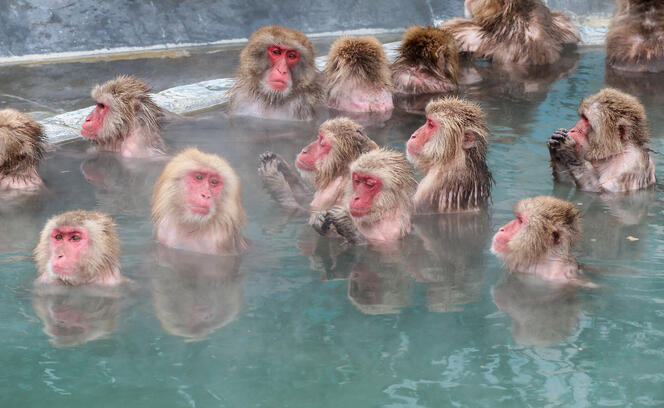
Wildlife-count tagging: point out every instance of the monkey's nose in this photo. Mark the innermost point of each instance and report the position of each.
(356, 198)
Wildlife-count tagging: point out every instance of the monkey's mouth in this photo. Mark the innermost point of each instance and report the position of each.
(278, 85)
(498, 246)
(415, 151)
(359, 212)
(304, 166)
(88, 133)
(199, 209)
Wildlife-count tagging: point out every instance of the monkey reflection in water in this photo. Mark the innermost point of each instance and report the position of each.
(196, 294)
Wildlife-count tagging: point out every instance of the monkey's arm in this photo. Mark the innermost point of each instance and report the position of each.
(282, 183)
(343, 223)
(567, 162)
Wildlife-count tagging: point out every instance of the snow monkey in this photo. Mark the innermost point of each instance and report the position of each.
(197, 205)
(635, 41)
(22, 146)
(358, 76)
(427, 62)
(606, 151)
(523, 32)
(126, 119)
(277, 77)
(379, 206)
(79, 247)
(540, 239)
(323, 163)
(450, 150)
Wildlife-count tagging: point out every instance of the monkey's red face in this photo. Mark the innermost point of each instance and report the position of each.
(69, 246)
(314, 152)
(580, 133)
(507, 232)
(94, 122)
(365, 189)
(202, 186)
(421, 137)
(282, 61)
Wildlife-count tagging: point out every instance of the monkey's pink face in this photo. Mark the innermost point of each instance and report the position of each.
(421, 137)
(365, 189)
(314, 153)
(94, 122)
(202, 186)
(580, 133)
(506, 233)
(69, 247)
(282, 61)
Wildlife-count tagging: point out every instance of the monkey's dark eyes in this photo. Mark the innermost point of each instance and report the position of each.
(101, 105)
(292, 56)
(276, 51)
(76, 238)
(214, 182)
(199, 177)
(371, 183)
(58, 237)
(520, 220)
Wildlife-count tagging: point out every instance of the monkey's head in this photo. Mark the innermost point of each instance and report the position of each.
(122, 104)
(278, 61)
(482, 9)
(339, 142)
(382, 182)
(431, 50)
(544, 225)
(454, 133)
(358, 61)
(78, 247)
(610, 119)
(195, 189)
(21, 141)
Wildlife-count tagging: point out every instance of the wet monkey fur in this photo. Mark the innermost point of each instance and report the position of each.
(22, 147)
(277, 76)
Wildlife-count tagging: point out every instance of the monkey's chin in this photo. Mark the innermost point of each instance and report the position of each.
(307, 176)
(412, 158)
(497, 249)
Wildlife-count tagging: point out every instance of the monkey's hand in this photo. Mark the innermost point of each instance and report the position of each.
(320, 222)
(562, 149)
(343, 223)
(275, 182)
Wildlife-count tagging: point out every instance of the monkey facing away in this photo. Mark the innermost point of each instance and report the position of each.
(427, 63)
(450, 150)
(522, 32)
(79, 247)
(323, 163)
(197, 205)
(22, 146)
(277, 77)
(358, 76)
(606, 151)
(126, 119)
(379, 207)
(540, 239)
(635, 41)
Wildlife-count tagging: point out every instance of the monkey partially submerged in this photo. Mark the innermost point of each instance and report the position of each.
(606, 151)
(126, 119)
(22, 146)
(450, 149)
(277, 77)
(380, 202)
(513, 31)
(324, 163)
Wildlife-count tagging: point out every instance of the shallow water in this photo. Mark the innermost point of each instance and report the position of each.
(300, 321)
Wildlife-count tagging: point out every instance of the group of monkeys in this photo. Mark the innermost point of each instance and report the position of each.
(352, 187)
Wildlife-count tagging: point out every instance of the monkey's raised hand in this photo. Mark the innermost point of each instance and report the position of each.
(320, 222)
(343, 223)
(275, 182)
(562, 149)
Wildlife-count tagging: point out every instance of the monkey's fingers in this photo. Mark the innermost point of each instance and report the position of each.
(267, 156)
(320, 222)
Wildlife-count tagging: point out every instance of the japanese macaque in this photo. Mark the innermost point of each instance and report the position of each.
(323, 163)
(22, 146)
(606, 151)
(635, 41)
(197, 205)
(277, 77)
(379, 206)
(450, 150)
(427, 63)
(522, 32)
(126, 119)
(77, 248)
(358, 76)
(540, 239)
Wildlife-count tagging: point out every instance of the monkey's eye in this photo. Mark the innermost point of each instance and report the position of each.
(276, 51)
(292, 55)
(520, 220)
(199, 177)
(101, 105)
(214, 182)
(370, 183)
(58, 237)
(76, 238)
(430, 124)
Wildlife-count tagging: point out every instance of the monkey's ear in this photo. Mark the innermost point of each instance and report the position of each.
(624, 129)
(468, 139)
(556, 236)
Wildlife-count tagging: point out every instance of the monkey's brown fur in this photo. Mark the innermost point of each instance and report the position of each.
(357, 62)
(306, 92)
(459, 177)
(513, 32)
(432, 49)
(349, 143)
(102, 257)
(22, 144)
(131, 107)
(552, 228)
(228, 218)
(635, 41)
